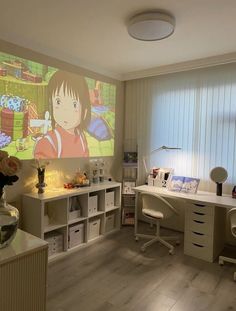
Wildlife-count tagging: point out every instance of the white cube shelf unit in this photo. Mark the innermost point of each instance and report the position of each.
(96, 208)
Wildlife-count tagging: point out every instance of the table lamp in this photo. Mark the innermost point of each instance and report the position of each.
(155, 150)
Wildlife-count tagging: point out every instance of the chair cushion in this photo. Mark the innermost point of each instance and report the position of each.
(152, 213)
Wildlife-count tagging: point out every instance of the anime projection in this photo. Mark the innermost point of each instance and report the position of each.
(48, 113)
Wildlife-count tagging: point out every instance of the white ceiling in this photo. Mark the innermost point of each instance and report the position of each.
(92, 33)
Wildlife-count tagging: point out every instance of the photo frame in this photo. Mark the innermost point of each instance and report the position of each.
(183, 184)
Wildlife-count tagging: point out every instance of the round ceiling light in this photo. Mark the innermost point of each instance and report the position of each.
(151, 26)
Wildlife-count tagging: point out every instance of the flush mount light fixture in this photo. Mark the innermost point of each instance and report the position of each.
(151, 26)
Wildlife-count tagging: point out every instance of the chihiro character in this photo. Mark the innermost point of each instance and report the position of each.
(69, 101)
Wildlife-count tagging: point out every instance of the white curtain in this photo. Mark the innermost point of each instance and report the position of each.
(195, 111)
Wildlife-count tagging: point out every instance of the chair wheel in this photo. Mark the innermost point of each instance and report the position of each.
(136, 238)
(171, 252)
(221, 262)
(143, 249)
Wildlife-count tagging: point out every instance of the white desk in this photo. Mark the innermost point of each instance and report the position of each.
(204, 232)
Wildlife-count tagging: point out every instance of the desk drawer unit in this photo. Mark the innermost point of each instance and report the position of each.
(198, 238)
(204, 226)
(198, 251)
(199, 231)
(200, 209)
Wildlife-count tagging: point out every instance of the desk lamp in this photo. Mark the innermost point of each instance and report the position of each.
(155, 150)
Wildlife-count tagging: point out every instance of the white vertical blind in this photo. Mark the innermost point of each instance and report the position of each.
(195, 111)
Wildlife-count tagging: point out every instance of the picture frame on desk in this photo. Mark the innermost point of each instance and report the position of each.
(190, 185)
(183, 184)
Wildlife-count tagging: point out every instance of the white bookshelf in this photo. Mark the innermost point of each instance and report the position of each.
(99, 213)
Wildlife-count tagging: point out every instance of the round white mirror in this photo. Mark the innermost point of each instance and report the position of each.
(218, 175)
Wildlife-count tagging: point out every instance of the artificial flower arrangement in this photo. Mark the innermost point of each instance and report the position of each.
(40, 165)
(9, 167)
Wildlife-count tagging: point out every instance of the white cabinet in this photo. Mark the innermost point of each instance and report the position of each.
(23, 274)
(78, 215)
(203, 237)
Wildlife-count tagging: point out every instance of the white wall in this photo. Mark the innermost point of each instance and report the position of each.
(62, 170)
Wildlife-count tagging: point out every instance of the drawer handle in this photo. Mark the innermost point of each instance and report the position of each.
(199, 222)
(198, 233)
(77, 231)
(201, 205)
(198, 213)
(198, 245)
(94, 224)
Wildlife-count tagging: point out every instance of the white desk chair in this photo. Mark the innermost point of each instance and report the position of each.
(232, 218)
(156, 208)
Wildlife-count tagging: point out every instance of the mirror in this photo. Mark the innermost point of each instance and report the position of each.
(219, 175)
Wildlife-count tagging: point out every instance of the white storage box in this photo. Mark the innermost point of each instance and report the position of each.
(92, 205)
(110, 222)
(75, 208)
(94, 228)
(76, 235)
(110, 199)
(55, 242)
(75, 214)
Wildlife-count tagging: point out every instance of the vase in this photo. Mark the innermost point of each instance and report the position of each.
(9, 218)
(41, 184)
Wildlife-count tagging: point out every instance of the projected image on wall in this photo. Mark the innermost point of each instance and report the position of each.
(49, 113)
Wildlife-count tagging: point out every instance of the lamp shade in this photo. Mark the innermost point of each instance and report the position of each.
(151, 26)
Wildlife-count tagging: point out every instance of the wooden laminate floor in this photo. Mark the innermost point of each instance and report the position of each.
(112, 274)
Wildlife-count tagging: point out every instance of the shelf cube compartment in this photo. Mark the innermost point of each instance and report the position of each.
(110, 199)
(92, 204)
(75, 210)
(76, 235)
(55, 213)
(94, 228)
(110, 222)
(55, 241)
(78, 206)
